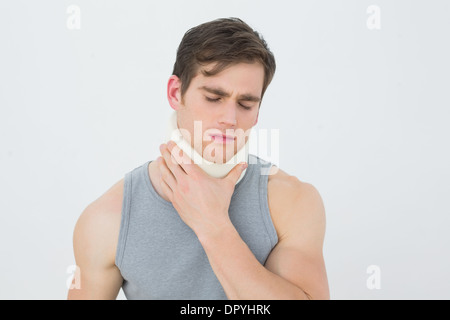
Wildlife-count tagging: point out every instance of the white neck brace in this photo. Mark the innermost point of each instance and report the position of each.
(213, 169)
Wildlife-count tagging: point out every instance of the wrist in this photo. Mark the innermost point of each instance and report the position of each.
(213, 232)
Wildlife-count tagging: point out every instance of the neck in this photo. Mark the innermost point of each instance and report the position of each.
(213, 169)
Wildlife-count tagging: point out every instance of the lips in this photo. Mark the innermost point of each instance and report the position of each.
(223, 137)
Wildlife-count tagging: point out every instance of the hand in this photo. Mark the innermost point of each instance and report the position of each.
(201, 200)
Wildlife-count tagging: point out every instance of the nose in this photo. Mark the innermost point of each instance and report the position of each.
(227, 117)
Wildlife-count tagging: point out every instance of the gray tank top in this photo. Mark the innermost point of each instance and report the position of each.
(160, 257)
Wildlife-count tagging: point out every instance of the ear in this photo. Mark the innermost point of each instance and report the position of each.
(174, 92)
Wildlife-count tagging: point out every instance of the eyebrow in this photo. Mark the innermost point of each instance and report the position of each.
(222, 93)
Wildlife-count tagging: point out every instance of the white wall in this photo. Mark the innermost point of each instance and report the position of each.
(362, 116)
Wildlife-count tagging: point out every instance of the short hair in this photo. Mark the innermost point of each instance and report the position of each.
(226, 42)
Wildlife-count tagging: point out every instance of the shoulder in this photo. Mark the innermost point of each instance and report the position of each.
(295, 205)
(298, 215)
(97, 229)
(94, 243)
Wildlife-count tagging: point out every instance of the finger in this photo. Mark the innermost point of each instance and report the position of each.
(236, 172)
(171, 162)
(183, 160)
(166, 189)
(166, 175)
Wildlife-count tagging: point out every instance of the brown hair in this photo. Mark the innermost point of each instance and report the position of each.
(223, 41)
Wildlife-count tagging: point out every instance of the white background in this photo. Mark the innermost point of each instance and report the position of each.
(363, 116)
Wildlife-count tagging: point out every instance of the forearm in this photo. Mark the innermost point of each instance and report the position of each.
(242, 276)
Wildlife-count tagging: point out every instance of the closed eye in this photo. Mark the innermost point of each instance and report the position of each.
(246, 108)
(212, 99)
(218, 99)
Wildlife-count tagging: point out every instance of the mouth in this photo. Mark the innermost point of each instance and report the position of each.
(223, 138)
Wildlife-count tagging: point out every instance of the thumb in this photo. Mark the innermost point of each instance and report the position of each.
(236, 172)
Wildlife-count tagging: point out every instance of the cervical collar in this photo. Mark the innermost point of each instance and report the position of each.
(213, 169)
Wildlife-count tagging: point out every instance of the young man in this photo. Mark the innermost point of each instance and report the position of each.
(168, 230)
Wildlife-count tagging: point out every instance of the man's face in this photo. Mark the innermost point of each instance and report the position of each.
(227, 103)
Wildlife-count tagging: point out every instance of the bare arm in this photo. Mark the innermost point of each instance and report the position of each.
(95, 241)
(295, 268)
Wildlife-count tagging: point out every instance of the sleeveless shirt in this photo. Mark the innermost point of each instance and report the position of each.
(160, 257)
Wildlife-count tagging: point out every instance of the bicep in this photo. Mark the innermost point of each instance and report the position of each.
(96, 284)
(298, 255)
(94, 244)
